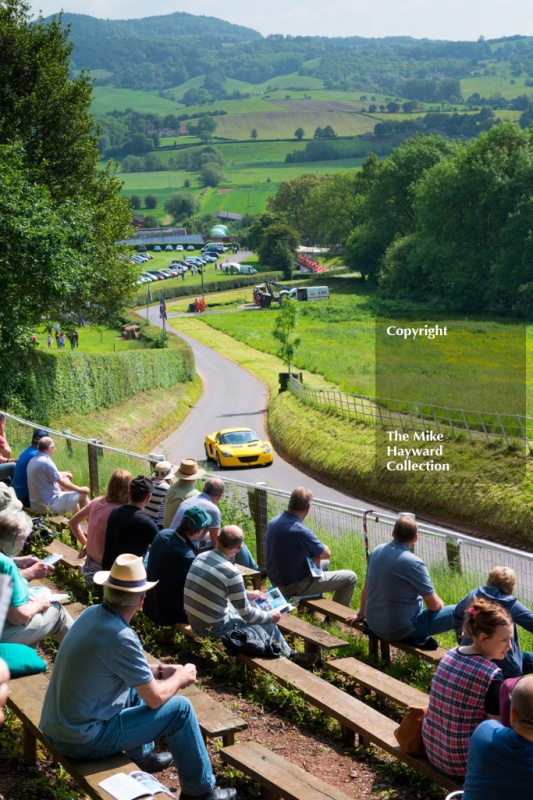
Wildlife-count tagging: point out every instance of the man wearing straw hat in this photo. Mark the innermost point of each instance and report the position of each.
(104, 697)
(183, 489)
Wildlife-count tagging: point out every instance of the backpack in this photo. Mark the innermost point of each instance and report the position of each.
(251, 641)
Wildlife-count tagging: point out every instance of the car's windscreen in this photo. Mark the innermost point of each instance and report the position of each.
(239, 437)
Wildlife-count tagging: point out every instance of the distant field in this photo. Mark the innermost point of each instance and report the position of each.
(245, 189)
(282, 124)
(255, 105)
(486, 85)
(245, 154)
(107, 98)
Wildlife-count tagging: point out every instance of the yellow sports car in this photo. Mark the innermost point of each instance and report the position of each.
(238, 447)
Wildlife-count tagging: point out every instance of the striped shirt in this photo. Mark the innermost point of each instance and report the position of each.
(212, 586)
(158, 495)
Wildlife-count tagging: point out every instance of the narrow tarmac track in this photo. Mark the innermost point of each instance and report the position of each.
(233, 397)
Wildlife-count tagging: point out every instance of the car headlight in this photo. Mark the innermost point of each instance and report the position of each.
(226, 454)
(267, 449)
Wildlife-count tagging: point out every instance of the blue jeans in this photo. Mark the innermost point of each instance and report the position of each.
(7, 470)
(245, 558)
(135, 727)
(428, 623)
(236, 621)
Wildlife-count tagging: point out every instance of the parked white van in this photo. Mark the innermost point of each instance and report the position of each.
(309, 293)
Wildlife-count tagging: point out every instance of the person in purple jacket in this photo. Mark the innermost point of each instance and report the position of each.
(500, 587)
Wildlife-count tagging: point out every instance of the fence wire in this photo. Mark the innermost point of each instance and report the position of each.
(458, 563)
(513, 430)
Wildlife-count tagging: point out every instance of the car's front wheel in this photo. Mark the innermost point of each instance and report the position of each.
(208, 457)
(219, 465)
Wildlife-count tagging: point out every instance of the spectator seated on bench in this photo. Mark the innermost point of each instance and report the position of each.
(500, 760)
(500, 587)
(129, 528)
(52, 491)
(216, 600)
(28, 621)
(396, 583)
(20, 476)
(162, 480)
(97, 513)
(289, 543)
(208, 500)
(171, 555)
(465, 689)
(104, 697)
(181, 490)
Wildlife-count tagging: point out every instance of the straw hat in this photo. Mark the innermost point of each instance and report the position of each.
(127, 574)
(189, 471)
(163, 469)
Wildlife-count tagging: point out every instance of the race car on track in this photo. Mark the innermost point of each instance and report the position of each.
(238, 447)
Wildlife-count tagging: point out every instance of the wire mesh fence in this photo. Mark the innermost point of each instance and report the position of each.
(512, 430)
(458, 563)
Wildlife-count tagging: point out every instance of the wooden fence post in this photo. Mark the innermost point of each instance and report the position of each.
(92, 450)
(453, 554)
(258, 503)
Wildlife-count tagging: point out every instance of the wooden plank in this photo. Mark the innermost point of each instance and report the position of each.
(378, 682)
(214, 718)
(350, 712)
(277, 775)
(69, 555)
(339, 612)
(290, 624)
(253, 574)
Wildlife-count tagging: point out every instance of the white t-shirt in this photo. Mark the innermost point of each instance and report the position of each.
(43, 477)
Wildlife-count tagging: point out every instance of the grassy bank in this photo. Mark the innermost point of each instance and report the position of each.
(488, 487)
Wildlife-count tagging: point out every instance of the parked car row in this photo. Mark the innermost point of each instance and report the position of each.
(169, 248)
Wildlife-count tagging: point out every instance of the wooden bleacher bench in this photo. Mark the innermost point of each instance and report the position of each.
(69, 555)
(277, 777)
(353, 715)
(314, 638)
(384, 685)
(340, 613)
(254, 575)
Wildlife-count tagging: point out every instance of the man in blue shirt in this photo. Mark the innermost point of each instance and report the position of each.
(104, 697)
(289, 545)
(500, 760)
(397, 582)
(20, 478)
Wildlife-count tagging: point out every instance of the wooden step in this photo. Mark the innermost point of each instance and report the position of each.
(376, 681)
(254, 575)
(69, 555)
(314, 638)
(353, 715)
(336, 611)
(276, 775)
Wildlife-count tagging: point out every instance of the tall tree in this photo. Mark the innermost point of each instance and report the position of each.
(61, 217)
(294, 200)
(278, 234)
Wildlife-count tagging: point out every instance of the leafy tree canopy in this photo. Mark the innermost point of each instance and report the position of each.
(181, 205)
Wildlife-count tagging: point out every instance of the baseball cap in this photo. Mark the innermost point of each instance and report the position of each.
(38, 434)
(142, 484)
(198, 517)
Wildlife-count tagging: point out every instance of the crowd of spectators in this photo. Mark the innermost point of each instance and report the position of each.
(158, 544)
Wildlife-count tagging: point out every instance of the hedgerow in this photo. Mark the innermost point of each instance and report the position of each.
(51, 385)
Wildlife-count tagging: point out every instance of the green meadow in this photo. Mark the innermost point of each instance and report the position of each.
(244, 190)
(480, 365)
(487, 85)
